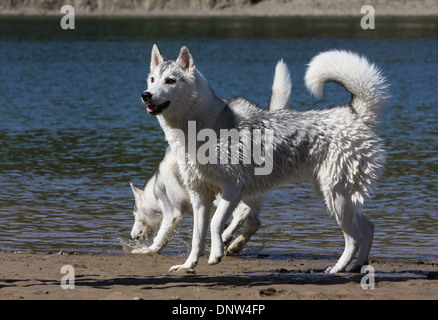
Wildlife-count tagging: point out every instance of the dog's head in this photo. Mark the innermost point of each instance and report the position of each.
(170, 82)
(147, 217)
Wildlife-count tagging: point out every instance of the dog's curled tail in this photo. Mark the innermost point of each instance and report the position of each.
(361, 78)
(281, 87)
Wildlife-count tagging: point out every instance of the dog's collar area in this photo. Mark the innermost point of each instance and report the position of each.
(157, 109)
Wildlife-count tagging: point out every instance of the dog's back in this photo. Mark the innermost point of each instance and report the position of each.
(329, 147)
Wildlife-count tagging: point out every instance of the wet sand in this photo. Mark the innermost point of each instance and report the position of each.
(38, 276)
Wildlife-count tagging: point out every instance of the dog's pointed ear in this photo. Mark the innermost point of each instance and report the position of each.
(156, 57)
(185, 60)
(137, 192)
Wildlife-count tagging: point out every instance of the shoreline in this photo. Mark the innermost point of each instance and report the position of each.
(28, 276)
(222, 8)
(125, 250)
(169, 14)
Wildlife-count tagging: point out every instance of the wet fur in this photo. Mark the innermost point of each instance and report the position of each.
(337, 149)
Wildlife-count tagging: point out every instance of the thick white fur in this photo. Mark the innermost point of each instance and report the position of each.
(361, 78)
(337, 148)
(281, 88)
(160, 205)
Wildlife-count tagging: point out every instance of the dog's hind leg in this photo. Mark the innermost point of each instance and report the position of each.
(345, 213)
(252, 224)
(367, 229)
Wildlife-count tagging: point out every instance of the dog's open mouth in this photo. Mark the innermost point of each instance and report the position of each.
(157, 109)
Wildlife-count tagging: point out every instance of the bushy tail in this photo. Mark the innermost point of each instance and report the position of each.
(281, 88)
(360, 77)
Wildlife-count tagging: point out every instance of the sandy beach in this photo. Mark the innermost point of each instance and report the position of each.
(27, 276)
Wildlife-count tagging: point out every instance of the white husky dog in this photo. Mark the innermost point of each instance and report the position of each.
(163, 200)
(336, 148)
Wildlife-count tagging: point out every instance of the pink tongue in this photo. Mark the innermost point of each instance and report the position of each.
(151, 108)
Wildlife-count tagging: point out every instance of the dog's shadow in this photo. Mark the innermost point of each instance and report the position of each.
(253, 279)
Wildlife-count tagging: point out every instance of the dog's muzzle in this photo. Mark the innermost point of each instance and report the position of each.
(153, 109)
(146, 96)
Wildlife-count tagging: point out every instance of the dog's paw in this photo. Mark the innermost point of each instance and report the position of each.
(216, 254)
(333, 270)
(214, 259)
(185, 266)
(226, 238)
(328, 269)
(182, 269)
(176, 268)
(235, 247)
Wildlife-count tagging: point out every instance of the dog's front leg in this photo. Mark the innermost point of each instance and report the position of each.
(249, 212)
(171, 221)
(202, 204)
(229, 201)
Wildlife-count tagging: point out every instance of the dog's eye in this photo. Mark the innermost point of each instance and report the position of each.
(152, 79)
(170, 81)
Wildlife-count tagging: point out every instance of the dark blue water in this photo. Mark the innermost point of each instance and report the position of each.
(73, 132)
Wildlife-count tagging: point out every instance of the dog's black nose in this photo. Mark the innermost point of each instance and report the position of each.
(146, 96)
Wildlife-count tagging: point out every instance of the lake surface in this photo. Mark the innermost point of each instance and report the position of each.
(74, 134)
